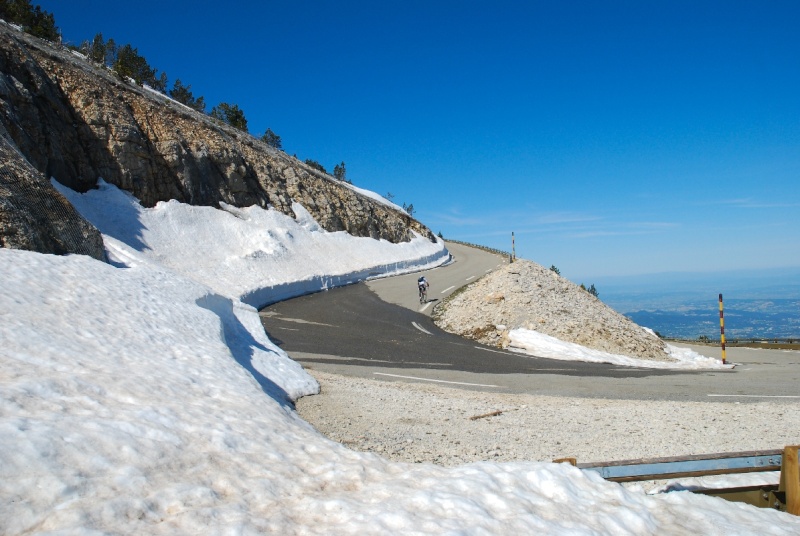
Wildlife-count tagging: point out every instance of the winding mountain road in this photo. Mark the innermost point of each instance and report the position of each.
(379, 330)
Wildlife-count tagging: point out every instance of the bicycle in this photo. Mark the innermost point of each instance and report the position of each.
(423, 294)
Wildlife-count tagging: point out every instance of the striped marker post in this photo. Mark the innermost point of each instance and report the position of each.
(722, 328)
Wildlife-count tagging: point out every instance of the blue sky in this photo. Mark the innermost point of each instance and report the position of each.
(611, 137)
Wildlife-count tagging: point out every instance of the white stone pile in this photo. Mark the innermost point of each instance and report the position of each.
(526, 295)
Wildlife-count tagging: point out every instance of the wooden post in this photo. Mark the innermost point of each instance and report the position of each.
(572, 461)
(790, 479)
(722, 329)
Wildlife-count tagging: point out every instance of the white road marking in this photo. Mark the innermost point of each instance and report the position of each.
(471, 277)
(425, 307)
(758, 396)
(423, 330)
(489, 350)
(301, 321)
(289, 329)
(430, 380)
(448, 288)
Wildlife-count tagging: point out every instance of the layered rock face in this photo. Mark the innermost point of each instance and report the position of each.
(34, 216)
(527, 295)
(77, 122)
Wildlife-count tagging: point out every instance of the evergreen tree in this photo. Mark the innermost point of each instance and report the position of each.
(160, 83)
(183, 94)
(230, 114)
(316, 165)
(130, 64)
(340, 172)
(593, 291)
(33, 19)
(43, 25)
(111, 52)
(97, 49)
(272, 139)
(409, 208)
(554, 269)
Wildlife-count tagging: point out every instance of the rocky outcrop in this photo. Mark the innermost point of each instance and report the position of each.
(34, 216)
(78, 122)
(529, 296)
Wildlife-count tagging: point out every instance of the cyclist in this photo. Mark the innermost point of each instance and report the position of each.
(422, 285)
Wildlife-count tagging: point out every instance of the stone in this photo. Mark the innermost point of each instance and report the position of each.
(538, 299)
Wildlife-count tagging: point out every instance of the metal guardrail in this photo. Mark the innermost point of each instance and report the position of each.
(687, 466)
(785, 496)
(478, 246)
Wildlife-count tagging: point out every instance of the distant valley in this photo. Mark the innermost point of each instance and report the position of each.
(763, 304)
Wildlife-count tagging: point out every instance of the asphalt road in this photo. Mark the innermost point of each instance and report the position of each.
(379, 330)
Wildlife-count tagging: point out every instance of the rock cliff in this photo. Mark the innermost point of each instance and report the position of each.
(78, 122)
(34, 216)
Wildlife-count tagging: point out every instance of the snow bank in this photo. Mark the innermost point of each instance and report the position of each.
(532, 342)
(261, 256)
(142, 398)
(132, 402)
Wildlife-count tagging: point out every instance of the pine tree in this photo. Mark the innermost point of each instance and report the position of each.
(97, 49)
(340, 172)
(183, 94)
(160, 83)
(316, 165)
(230, 114)
(33, 19)
(111, 52)
(130, 64)
(272, 139)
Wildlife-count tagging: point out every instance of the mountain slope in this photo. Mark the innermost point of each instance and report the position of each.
(78, 122)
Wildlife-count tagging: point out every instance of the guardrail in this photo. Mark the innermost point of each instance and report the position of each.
(785, 496)
(478, 246)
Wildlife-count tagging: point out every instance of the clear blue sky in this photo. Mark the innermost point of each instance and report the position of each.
(612, 137)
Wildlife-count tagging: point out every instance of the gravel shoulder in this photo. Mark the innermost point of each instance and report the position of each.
(415, 422)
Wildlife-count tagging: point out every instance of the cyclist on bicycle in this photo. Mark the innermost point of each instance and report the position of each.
(422, 285)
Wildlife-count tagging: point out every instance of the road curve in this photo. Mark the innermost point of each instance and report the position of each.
(379, 330)
(468, 265)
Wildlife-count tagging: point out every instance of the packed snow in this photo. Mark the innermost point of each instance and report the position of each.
(142, 397)
(261, 256)
(532, 342)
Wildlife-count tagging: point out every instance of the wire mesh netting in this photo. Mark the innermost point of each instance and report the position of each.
(33, 215)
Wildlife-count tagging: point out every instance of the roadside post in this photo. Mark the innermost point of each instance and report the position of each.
(722, 329)
(513, 250)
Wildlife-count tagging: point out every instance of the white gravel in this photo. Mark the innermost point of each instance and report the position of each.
(415, 422)
(529, 296)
